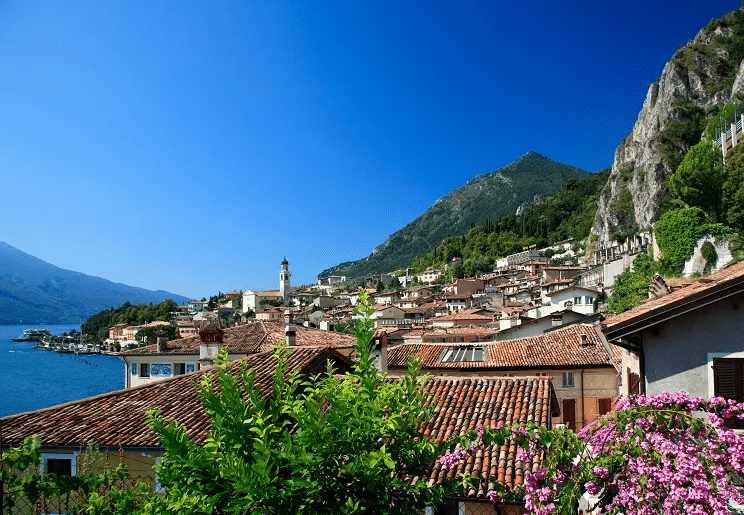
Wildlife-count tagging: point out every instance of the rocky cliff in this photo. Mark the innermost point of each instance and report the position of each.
(695, 84)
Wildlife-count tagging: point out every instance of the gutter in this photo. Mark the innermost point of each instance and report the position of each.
(671, 312)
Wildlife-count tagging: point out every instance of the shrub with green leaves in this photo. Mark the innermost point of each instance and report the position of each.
(631, 286)
(323, 446)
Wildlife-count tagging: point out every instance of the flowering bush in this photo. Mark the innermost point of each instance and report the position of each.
(655, 454)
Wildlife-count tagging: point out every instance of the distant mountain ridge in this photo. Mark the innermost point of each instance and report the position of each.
(33, 291)
(498, 193)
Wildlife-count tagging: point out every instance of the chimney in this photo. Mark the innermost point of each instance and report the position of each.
(210, 335)
(289, 331)
(556, 319)
(381, 342)
(162, 344)
(584, 342)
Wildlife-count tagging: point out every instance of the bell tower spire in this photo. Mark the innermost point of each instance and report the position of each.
(284, 280)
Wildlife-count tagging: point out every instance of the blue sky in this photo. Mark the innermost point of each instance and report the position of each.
(190, 147)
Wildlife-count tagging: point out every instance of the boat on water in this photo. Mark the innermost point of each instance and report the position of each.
(32, 335)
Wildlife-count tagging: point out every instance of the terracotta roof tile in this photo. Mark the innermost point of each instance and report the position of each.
(559, 348)
(729, 276)
(118, 418)
(463, 315)
(460, 404)
(251, 338)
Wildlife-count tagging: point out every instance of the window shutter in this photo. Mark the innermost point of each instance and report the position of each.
(605, 406)
(727, 378)
(727, 383)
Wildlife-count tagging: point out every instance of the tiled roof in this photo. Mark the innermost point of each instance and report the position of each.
(712, 285)
(455, 296)
(571, 288)
(475, 330)
(251, 338)
(557, 281)
(118, 418)
(559, 348)
(463, 403)
(268, 293)
(463, 315)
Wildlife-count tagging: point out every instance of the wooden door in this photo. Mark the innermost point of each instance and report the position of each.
(569, 413)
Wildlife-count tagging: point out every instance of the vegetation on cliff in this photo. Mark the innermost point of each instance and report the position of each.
(568, 214)
(490, 196)
(128, 313)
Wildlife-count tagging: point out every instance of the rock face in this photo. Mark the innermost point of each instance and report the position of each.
(698, 78)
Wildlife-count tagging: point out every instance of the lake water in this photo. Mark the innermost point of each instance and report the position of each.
(32, 378)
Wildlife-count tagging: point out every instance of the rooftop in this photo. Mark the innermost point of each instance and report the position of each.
(560, 348)
(258, 336)
(705, 290)
(118, 418)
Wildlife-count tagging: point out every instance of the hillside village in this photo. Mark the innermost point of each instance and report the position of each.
(530, 341)
(530, 327)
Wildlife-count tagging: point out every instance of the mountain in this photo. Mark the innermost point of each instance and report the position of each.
(34, 292)
(501, 192)
(699, 88)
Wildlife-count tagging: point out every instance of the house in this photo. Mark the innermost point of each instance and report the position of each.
(449, 334)
(387, 298)
(252, 299)
(576, 298)
(332, 280)
(537, 326)
(557, 272)
(429, 276)
(116, 332)
(455, 301)
(115, 421)
(185, 326)
(578, 357)
(273, 313)
(461, 318)
(690, 339)
(519, 258)
(418, 292)
(197, 306)
(176, 357)
(468, 286)
(326, 302)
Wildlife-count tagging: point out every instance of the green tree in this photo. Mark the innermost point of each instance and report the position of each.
(733, 189)
(676, 232)
(699, 178)
(631, 286)
(149, 334)
(326, 446)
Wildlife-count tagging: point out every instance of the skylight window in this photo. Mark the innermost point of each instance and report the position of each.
(462, 354)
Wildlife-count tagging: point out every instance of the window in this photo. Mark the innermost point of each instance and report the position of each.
(60, 464)
(144, 370)
(179, 368)
(134, 369)
(604, 406)
(728, 382)
(577, 300)
(462, 354)
(589, 300)
(568, 380)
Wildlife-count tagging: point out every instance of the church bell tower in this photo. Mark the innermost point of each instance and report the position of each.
(284, 280)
